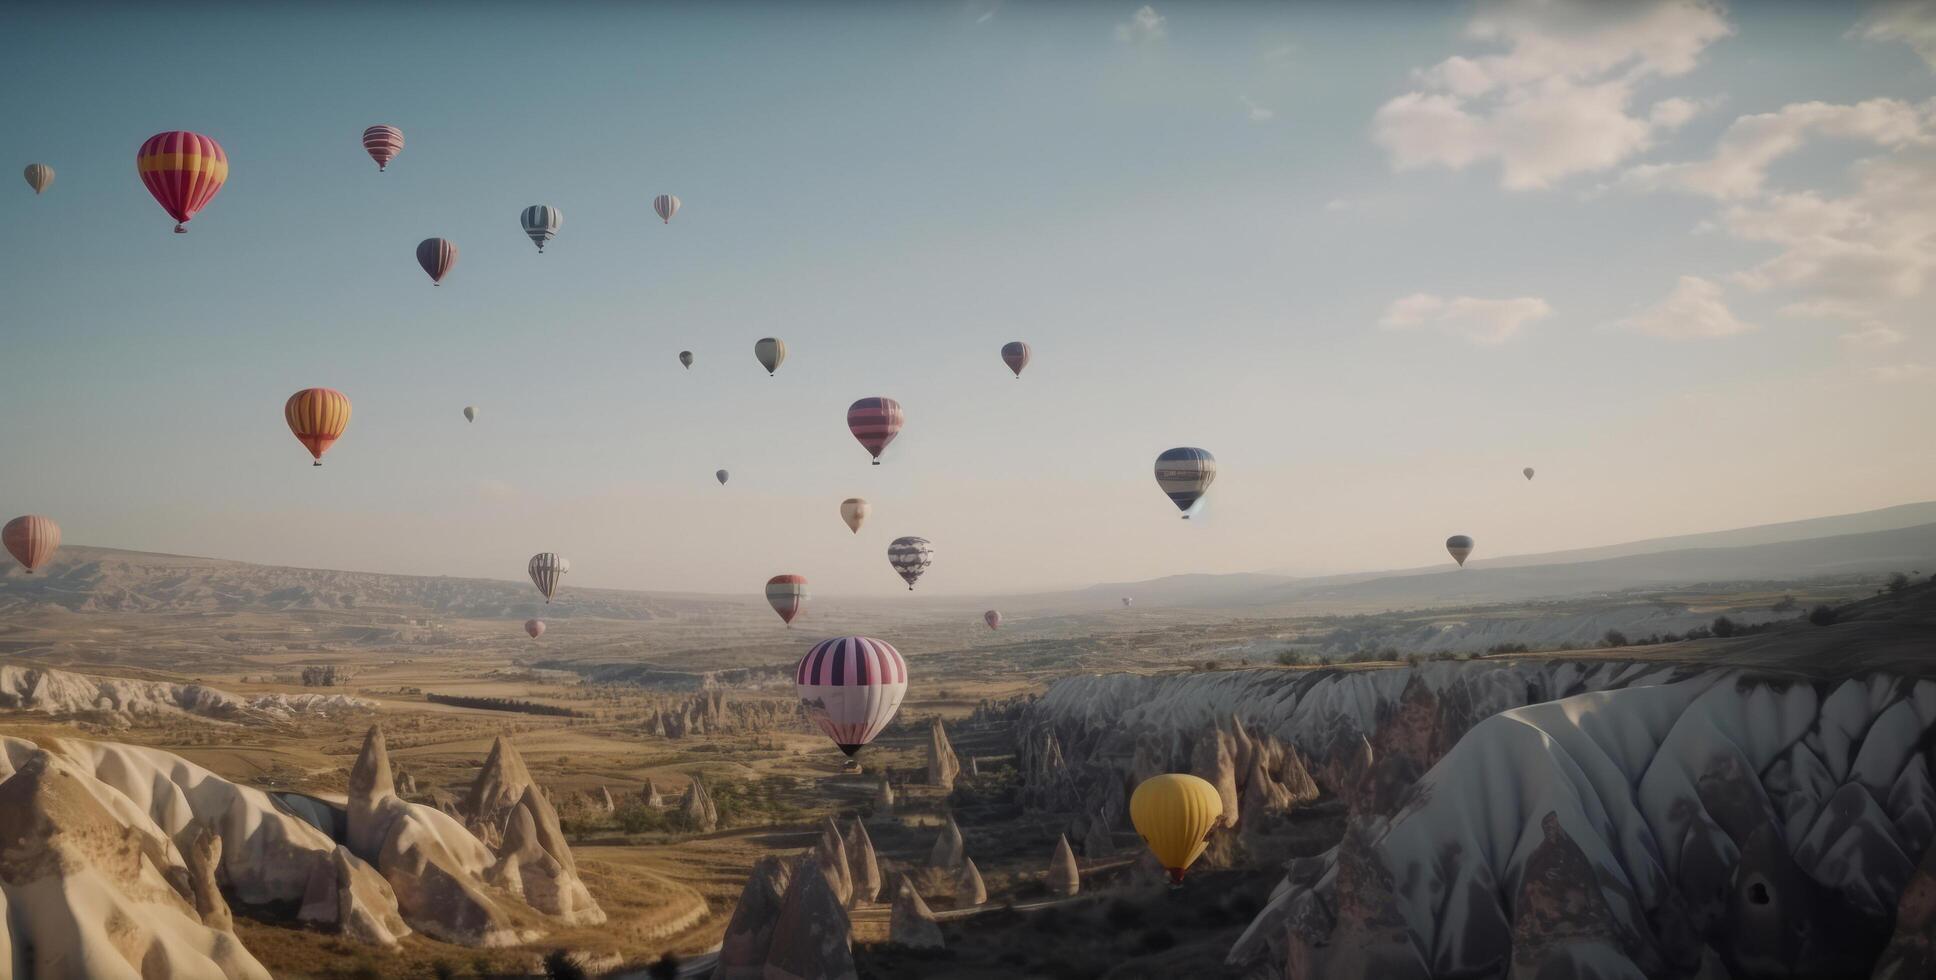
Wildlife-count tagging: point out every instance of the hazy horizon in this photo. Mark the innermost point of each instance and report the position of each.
(1376, 259)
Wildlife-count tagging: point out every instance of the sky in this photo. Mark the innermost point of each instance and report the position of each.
(1375, 257)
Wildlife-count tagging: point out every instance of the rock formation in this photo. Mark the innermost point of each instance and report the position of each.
(535, 864)
(911, 922)
(350, 895)
(812, 938)
(85, 891)
(943, 767)
(749, 935)
(604, 800)
(406, 783)
(948, 846)
(969, 889)
(202, 857)
(865, 866)
(649, 795)
(974, 766)
(884, 799)
(697, 807)
(122, 702)
(497, 787)
(1911, 952)
(1063, 880)
(832, 854)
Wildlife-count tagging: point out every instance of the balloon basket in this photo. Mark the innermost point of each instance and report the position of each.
(317, 463)
(181, 230)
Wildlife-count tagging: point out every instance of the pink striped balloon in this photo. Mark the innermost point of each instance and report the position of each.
(383, 143)
(875, 422)
(851, 686)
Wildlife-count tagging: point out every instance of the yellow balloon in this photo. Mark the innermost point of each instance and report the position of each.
(1175, 813)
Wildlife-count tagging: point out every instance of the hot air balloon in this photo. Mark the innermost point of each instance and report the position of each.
(1185, 474)
(32, 540)
(772, 353)
(39, 176)
(875, 422)
(1128, 602)
(437, 256)
(851, 686)
(787, 594)
(383, 143)
(1528, 471)
(721, 476)
(541, 222)
(1015, 354)
(318, 417)
(1459, 546)
(546, 569)
(470, 413)
(535, 627)
(993, 618)
(910, 557)
(854, 511)
(184, 171)
(1174, 813)
(685, 357)
(667, 206)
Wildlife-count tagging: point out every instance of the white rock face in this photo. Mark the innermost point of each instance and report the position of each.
(58, 692)
(1600, 820)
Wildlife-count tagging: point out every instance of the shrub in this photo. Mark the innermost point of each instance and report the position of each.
(1898, 582)
(1723, 627)
(1787, 604)
(1615, 638)
(558, 966)
(1822, 616)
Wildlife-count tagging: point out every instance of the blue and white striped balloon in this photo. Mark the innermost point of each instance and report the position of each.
(541, 222)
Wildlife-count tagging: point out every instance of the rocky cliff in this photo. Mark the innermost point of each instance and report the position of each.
(1549, 819)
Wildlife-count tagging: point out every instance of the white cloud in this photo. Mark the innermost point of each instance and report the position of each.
(1875, 244)
(1336, 204)
(1481, 321)
(1693, 310)
(1873, 336)
(1145, 26)
(1560, 100)
(1739, 166)
(1257, 113)
(1899, 372)
(1913, 22)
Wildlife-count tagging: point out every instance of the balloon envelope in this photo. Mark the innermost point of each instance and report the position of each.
(851, 686)
(1128, 602)
(383, 143)
(317, 417)
(992, 618)
(685, 357)
(31, 540)
(1459, 546)
(875, 422)
(437, 256)
(184, 171)
(1528, 471)
(1185, 474)
(721, 477)
(1015, 354)
(39, 176)
(854, 511)
(546, 569)
(771, 352)
(541, 223)
(787, 594)
(470, 413)
(667, 206)
(910, 557)
(1174, 813)
(535, 627)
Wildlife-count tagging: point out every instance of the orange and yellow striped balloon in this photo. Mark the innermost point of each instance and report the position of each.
(1175, 813)
(318, 417)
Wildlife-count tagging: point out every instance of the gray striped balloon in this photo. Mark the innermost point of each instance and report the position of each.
(546, 569)
(910, 557)
(541, 222)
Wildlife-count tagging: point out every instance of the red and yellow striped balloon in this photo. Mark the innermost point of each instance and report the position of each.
(318, 417)
(32, 540)
(184, 171)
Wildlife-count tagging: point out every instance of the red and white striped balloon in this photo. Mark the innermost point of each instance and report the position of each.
(851, 687)
(787, 594)
(383, 143)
